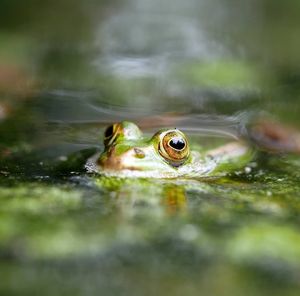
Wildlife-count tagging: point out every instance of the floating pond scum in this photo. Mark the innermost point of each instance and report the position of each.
(68, 70)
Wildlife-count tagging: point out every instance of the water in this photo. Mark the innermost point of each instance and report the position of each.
(68, 69)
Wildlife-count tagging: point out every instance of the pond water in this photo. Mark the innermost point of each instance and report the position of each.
(69, 69)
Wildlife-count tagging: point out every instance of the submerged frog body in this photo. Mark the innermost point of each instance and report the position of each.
(166, 154)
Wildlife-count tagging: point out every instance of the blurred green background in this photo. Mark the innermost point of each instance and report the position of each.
(68, 68)
(200, 56)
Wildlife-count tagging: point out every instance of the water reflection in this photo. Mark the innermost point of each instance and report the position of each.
(175, 199)
(69, 68)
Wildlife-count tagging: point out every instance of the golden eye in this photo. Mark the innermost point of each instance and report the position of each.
(173, 146)
(111, 133)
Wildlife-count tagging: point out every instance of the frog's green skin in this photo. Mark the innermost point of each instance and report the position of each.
(130, 154)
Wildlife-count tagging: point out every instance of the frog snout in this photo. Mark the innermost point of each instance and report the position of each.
(126, 160)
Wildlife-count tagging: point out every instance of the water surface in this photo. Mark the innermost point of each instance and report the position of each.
(68, 69)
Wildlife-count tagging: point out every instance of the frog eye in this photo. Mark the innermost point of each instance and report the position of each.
(111, 133)
(173, 146)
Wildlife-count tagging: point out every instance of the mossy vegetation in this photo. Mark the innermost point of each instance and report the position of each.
(245, 225)
(69, 68)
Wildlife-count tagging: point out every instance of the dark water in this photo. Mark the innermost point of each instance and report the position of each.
(69, 68)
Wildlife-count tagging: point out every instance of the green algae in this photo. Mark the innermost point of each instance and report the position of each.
(245, 225)
(64, 232)
(183, 234)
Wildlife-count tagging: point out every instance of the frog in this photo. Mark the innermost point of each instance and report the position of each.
(165, 155)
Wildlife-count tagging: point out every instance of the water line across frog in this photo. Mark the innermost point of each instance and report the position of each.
(167, 154)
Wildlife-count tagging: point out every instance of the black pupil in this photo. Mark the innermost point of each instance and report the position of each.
(109, 131)
(177, 143)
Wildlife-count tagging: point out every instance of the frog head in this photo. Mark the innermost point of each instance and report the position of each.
(126, 149)
(128, 153)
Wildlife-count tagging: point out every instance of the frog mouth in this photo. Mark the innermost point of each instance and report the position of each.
(197, 168)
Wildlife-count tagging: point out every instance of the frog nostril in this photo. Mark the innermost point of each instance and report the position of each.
(139, 153)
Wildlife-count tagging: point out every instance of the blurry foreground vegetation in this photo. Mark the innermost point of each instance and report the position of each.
(63, 232)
